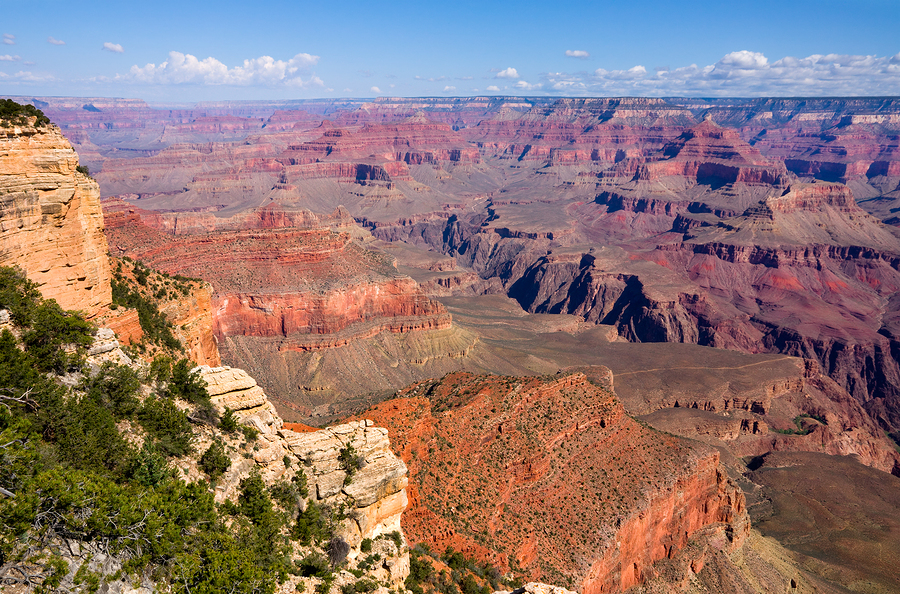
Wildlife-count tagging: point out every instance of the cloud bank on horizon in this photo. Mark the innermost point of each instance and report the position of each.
(744, 73)
(739, 73)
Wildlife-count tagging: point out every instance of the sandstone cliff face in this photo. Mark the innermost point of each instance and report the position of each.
(51, 221)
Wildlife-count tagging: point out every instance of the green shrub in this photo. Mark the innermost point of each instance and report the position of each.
(395, 537)
(310, 525)
(314, 565)
(167, 424)
(18, 295)
(350, 462)
(51, 329)
(228, 422)
(114, 387)
(287, 494)
(324, 587)
(214, 462)
(186, 384)
(17, 114)
(160, 369)
(87, 437)
(254, 500)
(154, 324)
(263, 534)
(148, 466)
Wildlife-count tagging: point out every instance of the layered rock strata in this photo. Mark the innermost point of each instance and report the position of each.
(51, 220)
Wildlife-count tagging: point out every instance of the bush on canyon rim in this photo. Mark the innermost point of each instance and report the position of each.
(17, 114)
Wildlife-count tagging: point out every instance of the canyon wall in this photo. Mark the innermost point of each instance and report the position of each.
(51, 220)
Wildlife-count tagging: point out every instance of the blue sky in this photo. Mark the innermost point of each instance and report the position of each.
(190, 51)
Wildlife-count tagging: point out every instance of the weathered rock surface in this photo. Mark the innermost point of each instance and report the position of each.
(192, 316)
(51, 221)
(543, 473)
(375, 494)
(377, 488)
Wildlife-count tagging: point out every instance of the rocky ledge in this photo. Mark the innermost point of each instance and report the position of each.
(349, 465)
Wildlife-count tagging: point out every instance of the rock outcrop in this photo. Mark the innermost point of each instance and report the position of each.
(370, 482)
(51, 220)
(548, 475)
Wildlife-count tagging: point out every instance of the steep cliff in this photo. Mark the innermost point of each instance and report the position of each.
(290, 292)
(549, 478)
(51, 218)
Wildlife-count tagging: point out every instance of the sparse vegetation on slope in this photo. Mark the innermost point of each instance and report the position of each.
(94, 471)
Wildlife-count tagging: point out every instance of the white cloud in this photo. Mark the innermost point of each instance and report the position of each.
(375, 90)
(55, 41)
(449, 89)
(27, 76)
(745, 60)
(578, 54)
(9, 39)
(265, 70)
(630, 74)
(508, 73)
(114, 47)
(524, 86)
(8, 58)
(493, 88)
(744, 73)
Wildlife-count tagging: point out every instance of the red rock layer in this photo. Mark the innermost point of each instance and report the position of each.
(192, 316)
(395, 305)
(415, 132)
(315, 287)
(549, 477)
(706, 152)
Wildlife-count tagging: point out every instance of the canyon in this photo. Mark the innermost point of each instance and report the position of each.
(633, 272)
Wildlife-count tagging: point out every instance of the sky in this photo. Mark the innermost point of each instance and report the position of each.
(186, 51)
